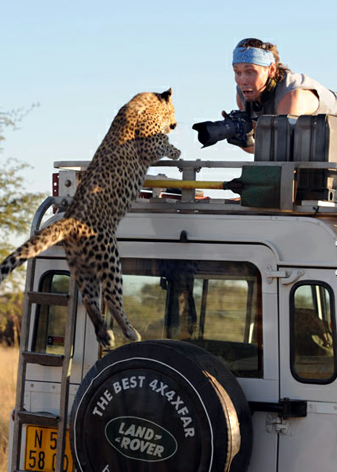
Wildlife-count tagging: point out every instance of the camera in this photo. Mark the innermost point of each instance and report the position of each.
(236, 126)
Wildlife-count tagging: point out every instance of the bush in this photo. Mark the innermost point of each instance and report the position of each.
(10, 318)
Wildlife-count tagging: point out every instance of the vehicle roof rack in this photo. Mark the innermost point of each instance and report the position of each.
(293, 172)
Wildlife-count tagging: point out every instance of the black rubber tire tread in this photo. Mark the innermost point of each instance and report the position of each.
(197, 376)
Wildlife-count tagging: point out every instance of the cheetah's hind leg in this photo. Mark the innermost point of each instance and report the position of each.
(89, 287)
(112, 291)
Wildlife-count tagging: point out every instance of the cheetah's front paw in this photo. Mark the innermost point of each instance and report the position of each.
(174, 153)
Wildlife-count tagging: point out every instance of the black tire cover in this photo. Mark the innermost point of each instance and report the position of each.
(160, 406)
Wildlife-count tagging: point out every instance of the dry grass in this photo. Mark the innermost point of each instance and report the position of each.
(8, 371)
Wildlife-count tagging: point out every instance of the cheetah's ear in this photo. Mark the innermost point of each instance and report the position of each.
(166, 95)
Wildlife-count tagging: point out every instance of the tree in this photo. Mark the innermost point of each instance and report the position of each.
(12, 118)
(17, 208)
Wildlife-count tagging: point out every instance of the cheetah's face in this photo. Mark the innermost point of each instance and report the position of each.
(155, 113)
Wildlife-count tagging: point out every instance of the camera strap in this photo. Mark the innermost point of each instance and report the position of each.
(267, 95)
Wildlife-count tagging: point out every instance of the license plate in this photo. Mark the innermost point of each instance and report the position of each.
(41, 448)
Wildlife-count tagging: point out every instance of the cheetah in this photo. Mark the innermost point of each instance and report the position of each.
(136, 139)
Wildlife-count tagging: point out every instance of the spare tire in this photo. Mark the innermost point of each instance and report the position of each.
(160, 406)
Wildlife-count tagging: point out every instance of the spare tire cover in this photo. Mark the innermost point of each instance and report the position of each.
(160, 406)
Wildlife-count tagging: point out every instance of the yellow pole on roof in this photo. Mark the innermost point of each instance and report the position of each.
(188, 184)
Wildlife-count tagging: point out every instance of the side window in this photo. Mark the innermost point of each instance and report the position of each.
(213, 304)
(312, 331)
(50, 321)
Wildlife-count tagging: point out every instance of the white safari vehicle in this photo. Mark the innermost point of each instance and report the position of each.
(235, 300)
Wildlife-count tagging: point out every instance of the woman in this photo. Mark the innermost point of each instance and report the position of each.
(266, 86)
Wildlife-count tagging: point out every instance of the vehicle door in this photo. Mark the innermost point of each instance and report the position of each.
(307, 439)
(218, 296)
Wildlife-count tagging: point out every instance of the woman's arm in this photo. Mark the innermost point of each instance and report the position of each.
(298, 102)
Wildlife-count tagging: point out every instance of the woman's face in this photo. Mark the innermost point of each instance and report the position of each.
(251, 79)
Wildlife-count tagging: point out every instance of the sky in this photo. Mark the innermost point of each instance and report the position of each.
(78, 61)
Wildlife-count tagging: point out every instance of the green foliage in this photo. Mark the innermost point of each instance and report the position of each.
(17, 208)
(10, 318)
(6, 120)
(11, 119)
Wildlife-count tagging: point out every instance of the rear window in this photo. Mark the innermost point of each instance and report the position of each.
(216, 305)
(213, 304)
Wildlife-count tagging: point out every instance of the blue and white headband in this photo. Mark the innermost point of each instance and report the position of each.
(258, 56)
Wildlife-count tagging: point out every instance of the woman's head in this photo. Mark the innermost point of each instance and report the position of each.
(255, 64)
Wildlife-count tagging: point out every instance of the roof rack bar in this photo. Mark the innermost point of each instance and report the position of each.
(198, 163)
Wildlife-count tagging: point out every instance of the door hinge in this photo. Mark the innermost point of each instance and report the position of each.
(286, 276)
(278, 424)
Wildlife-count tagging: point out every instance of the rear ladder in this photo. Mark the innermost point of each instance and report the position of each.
(26, 356)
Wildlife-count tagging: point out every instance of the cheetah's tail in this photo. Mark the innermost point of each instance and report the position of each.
(40, 242)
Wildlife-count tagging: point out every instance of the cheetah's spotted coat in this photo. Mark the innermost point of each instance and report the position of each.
(136, 139)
